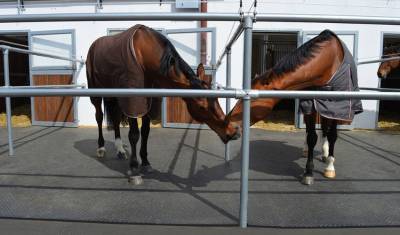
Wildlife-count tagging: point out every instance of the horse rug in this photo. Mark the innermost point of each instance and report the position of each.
(114, 65)
(344, 79)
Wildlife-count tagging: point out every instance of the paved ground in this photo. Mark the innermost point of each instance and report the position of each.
(56, 176)
(9, 226)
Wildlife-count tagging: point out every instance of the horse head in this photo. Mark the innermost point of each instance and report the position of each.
(259, 107)
(386, 67)
(208, 110)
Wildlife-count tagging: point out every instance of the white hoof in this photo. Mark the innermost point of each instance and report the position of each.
(135, 180)
(307, 180)
(330, 169)
(329, 174)
(101, 152)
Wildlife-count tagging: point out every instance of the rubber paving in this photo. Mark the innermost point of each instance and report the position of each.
(55, 175)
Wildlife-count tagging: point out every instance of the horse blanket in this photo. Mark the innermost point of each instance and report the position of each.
(344, 79)
(111, 63)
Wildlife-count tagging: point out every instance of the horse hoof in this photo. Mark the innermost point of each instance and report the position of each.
(101, 152)
(329, 174)
(305, 153)
(307, 180)
(146, 169)
(135, 180)
(324, 159)
(122, 155)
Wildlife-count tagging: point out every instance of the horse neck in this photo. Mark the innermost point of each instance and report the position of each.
(314, 73)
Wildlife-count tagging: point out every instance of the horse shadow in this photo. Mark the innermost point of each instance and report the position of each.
(88, 148)
(275, 159)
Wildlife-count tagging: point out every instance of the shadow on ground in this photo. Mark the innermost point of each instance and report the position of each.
(275, 158)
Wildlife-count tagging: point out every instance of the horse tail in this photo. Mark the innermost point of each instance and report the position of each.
(113, 113)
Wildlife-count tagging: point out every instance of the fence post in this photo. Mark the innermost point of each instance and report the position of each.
(244, 177)
(8, 102)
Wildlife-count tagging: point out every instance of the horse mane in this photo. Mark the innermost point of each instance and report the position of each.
(172, 57)
(303, 54)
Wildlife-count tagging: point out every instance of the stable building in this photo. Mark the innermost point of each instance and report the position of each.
(196, 42)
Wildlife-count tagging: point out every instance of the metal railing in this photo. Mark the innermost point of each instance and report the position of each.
(6, 50)
(245, 93)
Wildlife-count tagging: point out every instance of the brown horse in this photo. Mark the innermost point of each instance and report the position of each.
(320, 64)
(387, 67)
(140, 57)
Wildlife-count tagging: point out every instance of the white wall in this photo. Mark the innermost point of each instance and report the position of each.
(369, 41)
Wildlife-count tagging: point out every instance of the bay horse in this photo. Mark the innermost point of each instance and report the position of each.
(386, 67)
(319, 64)
(141, 57)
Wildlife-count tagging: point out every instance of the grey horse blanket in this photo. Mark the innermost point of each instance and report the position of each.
(344, 79)
(111, 63)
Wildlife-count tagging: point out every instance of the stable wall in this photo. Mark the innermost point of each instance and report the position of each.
(369, 36)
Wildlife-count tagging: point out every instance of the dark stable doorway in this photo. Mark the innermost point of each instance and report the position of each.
(389, 117)
(19, 76)
(269, 48)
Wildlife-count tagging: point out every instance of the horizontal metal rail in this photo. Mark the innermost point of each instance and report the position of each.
(149, 16)
(344, 19)
(17, 92)
(24, 51)
(379, 60)
(365, 95)
(253, 94)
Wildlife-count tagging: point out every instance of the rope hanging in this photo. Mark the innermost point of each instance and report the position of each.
(255, 10)
(241, 9)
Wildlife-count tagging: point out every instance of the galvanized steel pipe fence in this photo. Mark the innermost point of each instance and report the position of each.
(245, 93)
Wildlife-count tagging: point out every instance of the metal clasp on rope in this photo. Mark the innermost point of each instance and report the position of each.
(241, 13)
(255, 11)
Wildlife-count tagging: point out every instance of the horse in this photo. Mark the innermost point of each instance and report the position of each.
(386, 67)
(141, 57)
(320, 64)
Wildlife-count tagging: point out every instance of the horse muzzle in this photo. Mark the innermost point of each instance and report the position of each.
(236, 134)
(382, 75)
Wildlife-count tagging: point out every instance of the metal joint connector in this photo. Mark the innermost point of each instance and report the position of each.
(5, 50)
(247, 95)
(239, 93)
(248, 22)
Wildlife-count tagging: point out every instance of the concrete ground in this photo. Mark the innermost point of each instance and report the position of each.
(55, 176)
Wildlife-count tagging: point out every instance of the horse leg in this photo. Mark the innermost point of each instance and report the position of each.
(144, 131)
(312, 138)
(305, 147)
(121, 153)
(96, 101)
(332, 136)
(325, 142)
(133, 139)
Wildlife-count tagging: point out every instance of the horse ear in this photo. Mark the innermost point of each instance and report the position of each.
(200, 71)
(256, 75)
